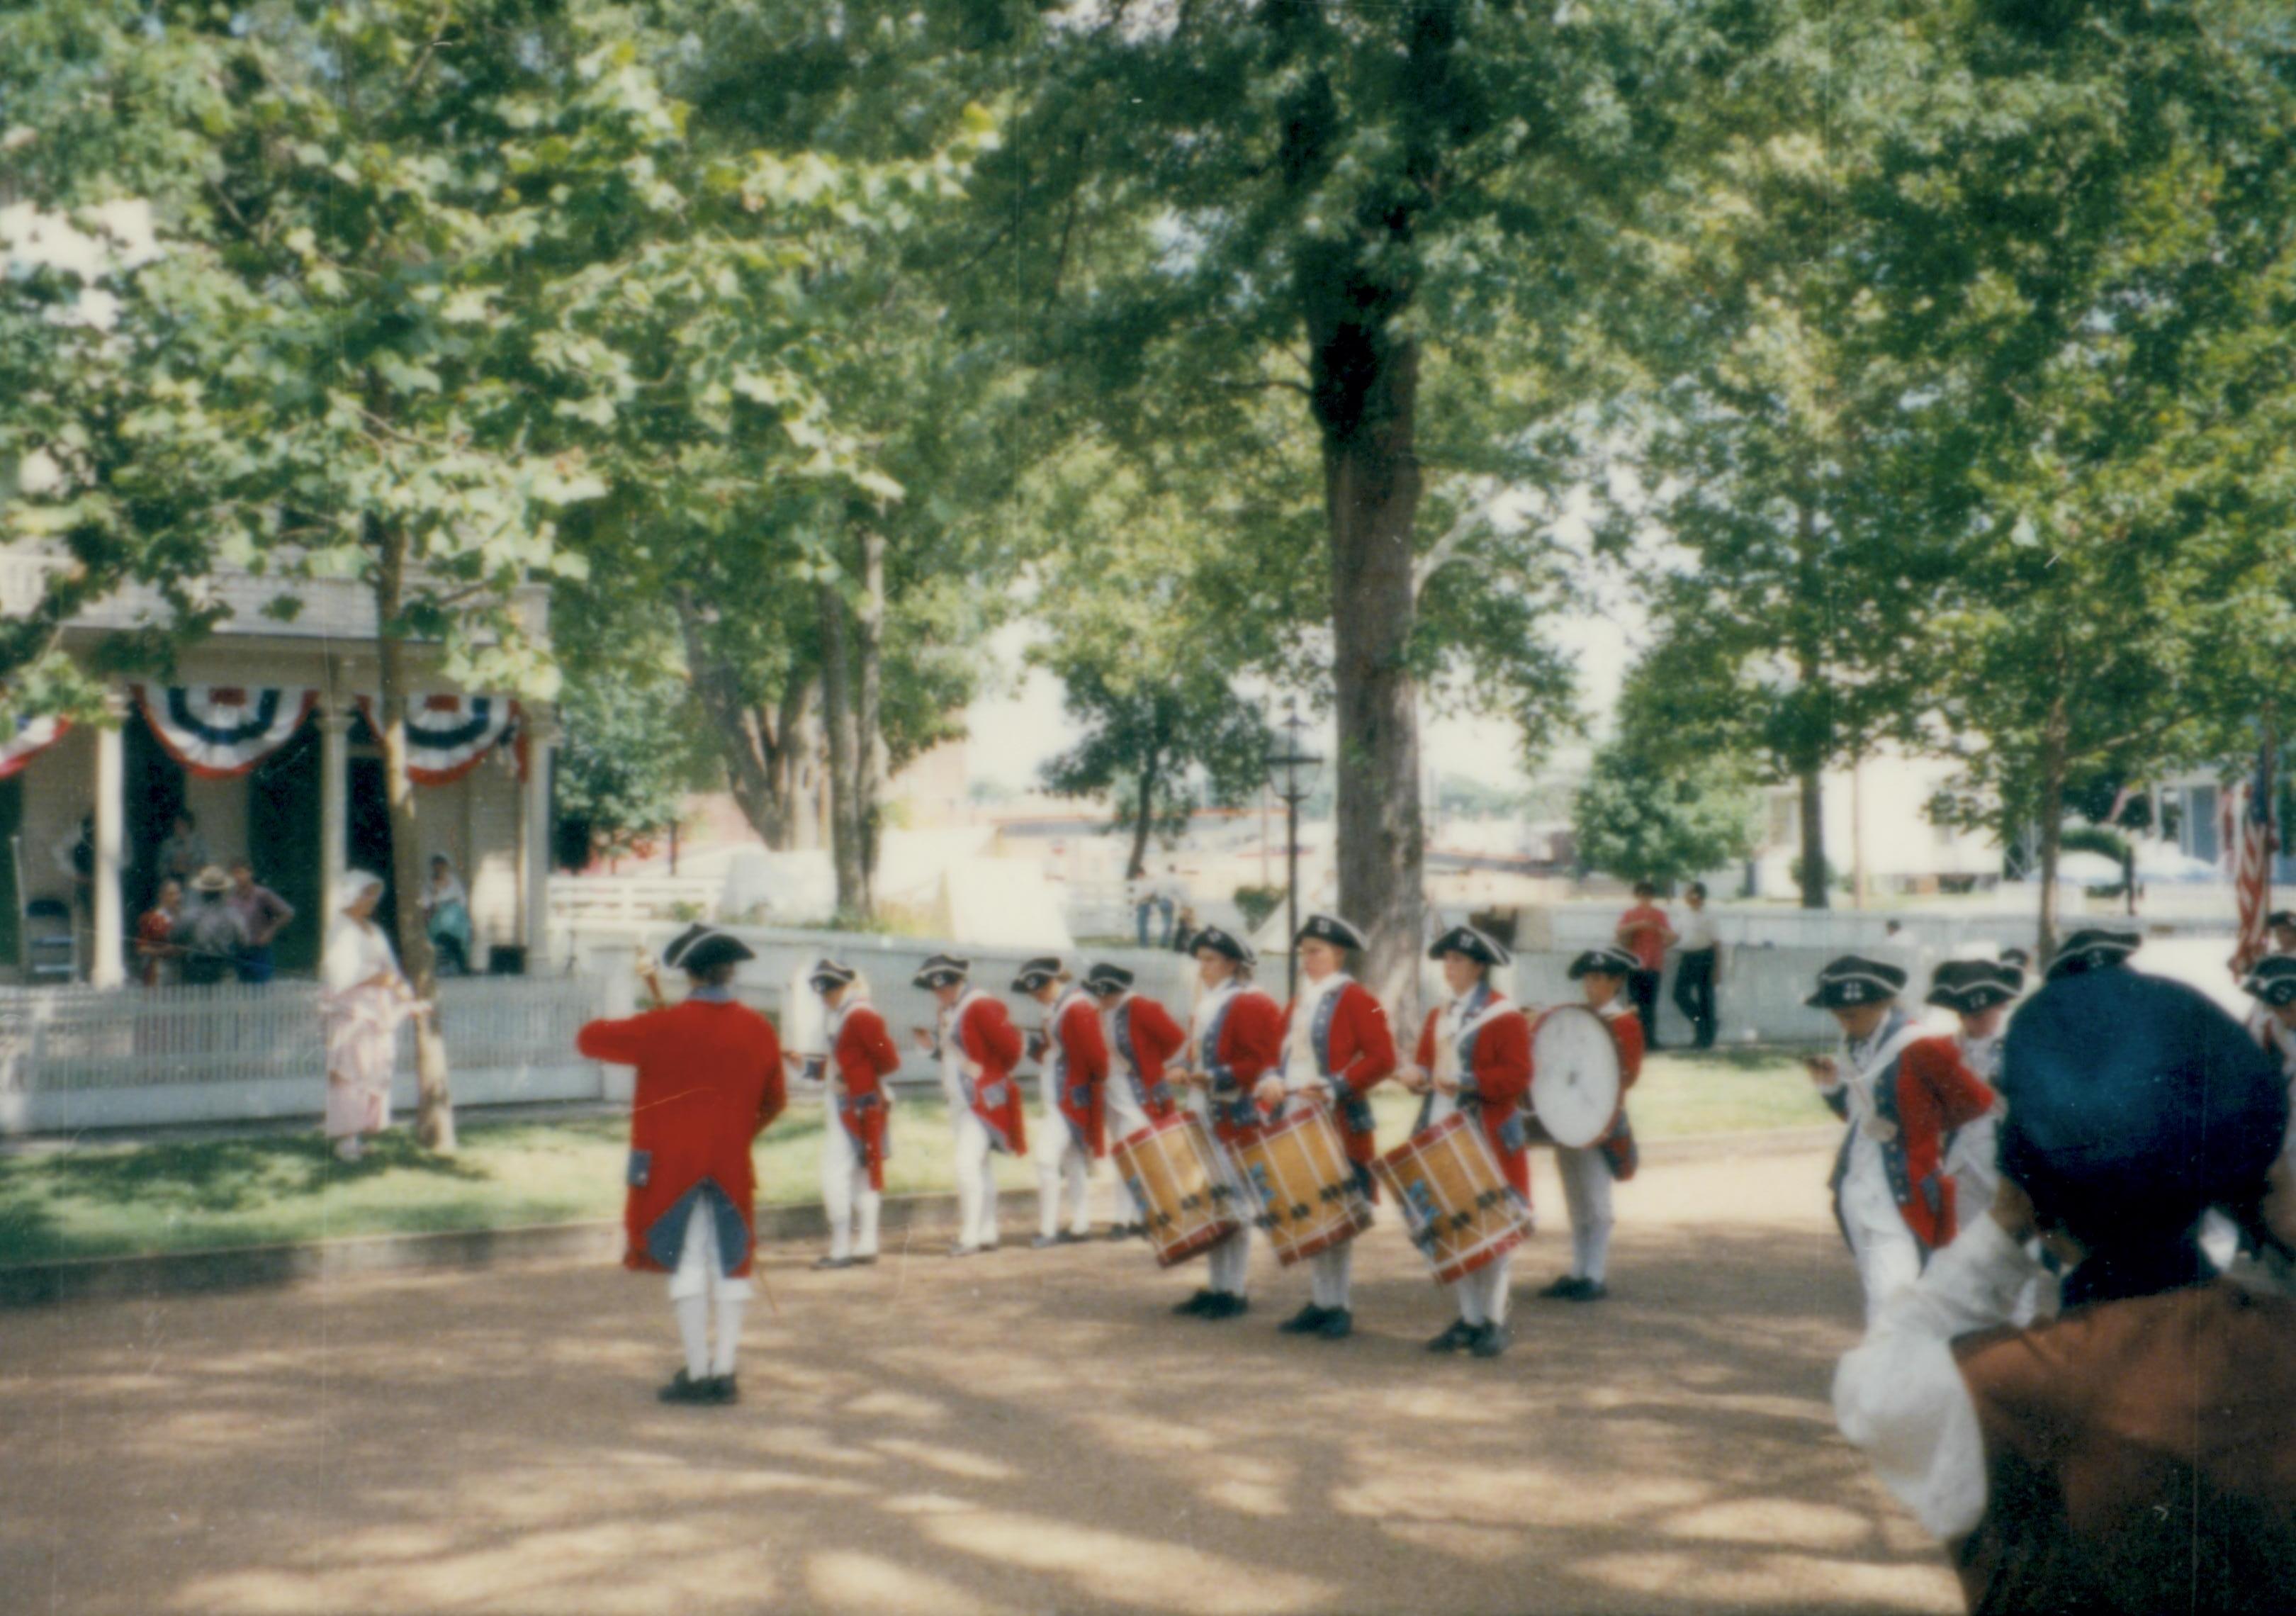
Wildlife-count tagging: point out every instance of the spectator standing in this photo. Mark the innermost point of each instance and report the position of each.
(1697, 966)
(446, 917)
(183, 853)
(1643, 932)
(1170, 898)
(210, 933)
(264, 913)
(365, 997)
(159, 961)
(1140, 898)
(1185, 927)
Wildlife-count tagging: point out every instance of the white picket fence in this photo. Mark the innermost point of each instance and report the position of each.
(633, 899)
(87, 1057)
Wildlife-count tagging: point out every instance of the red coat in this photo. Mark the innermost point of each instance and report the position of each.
(1146, 1037)
(1932, 1094)
(864, 1057)
(1082, 1055)
(1618, 1146)
(1354, 1052)
(986, 1034)
(709, 1079)
(1493, 1080)
(1245, 1039)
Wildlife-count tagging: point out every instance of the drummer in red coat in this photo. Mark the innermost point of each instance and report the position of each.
(1072, 1060)
(1236, 1036)
(1602, 975)
(1141, 1036)
(978, 1047)
(1337, 1048)
(709, 1080)
(854, 1152)
(1474, 1057)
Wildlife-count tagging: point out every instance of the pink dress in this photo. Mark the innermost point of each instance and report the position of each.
(361, 1019)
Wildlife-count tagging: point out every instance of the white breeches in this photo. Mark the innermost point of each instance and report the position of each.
(1586, 1191)
(1329, 1274)
(1231, 1263)
(976, 1182)
(1888, 1260)
(699, 1271)
(852, 1206)
(699, 1287)
(1125, 1118)
(1483, 1294)
(1063, 1170)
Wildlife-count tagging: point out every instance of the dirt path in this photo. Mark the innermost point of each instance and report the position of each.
(1025, 1431)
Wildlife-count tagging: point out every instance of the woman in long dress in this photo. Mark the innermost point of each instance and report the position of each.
(365, 998)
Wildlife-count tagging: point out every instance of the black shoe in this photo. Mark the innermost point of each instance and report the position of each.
(863, 1262)
(826, 1264)
(1307, 1321)
(1490, 1341)
(1339, 1323)
(1044, 1243)
(1590, 1290)
(1227, 1304)
(723, 1388)
(1070, 1237)
(1565, 1289)
(1202, 1302)
(1457, 1339)
(1118, 1231)
(681, 1389)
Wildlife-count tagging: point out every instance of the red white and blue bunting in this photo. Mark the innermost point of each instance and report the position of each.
(220, 732)
(448, 735)
(33, 737)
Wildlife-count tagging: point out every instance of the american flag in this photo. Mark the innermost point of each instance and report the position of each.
(2250, 843)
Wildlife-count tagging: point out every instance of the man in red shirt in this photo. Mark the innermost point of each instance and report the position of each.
(709, 1080)
(1643, 932)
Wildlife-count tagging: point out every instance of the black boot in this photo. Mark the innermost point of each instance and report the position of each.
(1490, 1341)
(1339, 1323)
(1458, 1338)
(1200, 1303)
(1307, 1321)
(681, 1389)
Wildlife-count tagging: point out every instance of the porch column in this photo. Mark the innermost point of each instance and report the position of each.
(334, 808)
(107, 965)
(534, 839)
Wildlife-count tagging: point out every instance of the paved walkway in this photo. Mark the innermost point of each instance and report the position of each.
(1025, 1431)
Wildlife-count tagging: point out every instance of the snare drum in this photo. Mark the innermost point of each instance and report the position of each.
(1186, 1196)
(1461, 1210)
(1310, 1197)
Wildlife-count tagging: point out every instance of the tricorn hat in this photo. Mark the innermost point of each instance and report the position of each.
(941, 969)
(1475, 945)
(829, 973)
(2282, 917)
(701, 947)
(2272, 979)
(1609, 960)
(1329, 929)
(1222, 942)
(1969, 986)
(1855, 979)
(1033, 974)
(1104, 979)
(2091, 949)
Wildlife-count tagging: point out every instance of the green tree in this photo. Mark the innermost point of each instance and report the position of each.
(1639, 821)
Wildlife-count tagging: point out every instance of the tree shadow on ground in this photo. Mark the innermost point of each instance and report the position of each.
(212, 1176)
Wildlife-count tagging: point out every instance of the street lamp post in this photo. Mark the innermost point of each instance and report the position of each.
(1291, 771)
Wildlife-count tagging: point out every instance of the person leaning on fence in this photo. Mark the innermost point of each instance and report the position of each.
(159, 961)
(364, 998)
(209, 931)
(2137, 1452)
(1697, 966)
(709, 1083)
(263, 914)
(1643, 932)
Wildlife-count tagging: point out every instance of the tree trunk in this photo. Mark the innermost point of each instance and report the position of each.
(869, 688)
(1143, 820)
(837, 702)
(2053, 824)
(768, 761)
(1366, 388)
(1811, 871)
(434, 1116)
(797, 767)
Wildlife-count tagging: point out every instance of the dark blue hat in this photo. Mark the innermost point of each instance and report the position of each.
(701, 948)
(1475, 945)
(2272, 979)
(1104, 979)
(1331, 928)
(2135, 1104)
(1222, 942)
(1608, 960)
(1035, 974)
(2091, 949)
(1970, 986)
(1853, 979)
(941, 971)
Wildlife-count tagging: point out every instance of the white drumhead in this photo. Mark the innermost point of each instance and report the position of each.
(805, 1024)
(1574, 1084)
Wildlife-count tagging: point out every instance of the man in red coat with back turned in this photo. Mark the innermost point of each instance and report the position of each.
(709, 1079)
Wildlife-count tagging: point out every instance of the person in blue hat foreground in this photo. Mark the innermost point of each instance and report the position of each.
(2138, 1452)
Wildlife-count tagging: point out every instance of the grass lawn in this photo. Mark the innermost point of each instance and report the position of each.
(91, 1200)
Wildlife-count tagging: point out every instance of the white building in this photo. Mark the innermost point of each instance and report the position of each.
(262, 732)
(1877, 824)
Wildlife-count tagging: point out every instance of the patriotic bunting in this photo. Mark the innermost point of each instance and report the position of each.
(33, 737)
(449, 735)
(219, 732)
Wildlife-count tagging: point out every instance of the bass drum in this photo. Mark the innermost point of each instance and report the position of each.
(1575, 1080)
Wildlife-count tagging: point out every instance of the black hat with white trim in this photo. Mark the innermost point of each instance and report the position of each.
(701, 947)
(1605, 961)
(1473, 944)
(1330, 929)
(1970, 986)
(1853, 979)
(2282, 918)
(1035, 974)
(829, 974)
(1222, 942)
(2272, 979)
(941, 971)
(2091, 949)
(1106, 980)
